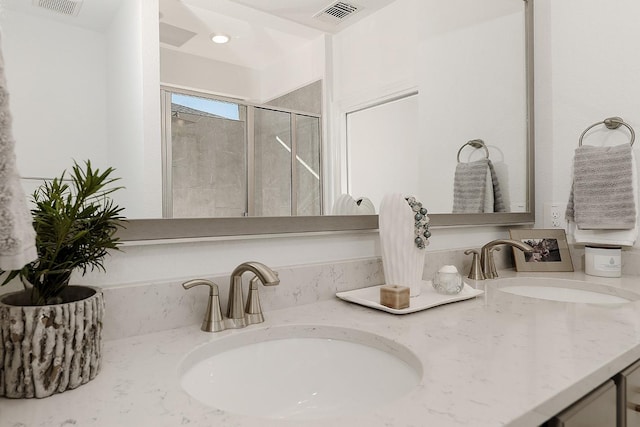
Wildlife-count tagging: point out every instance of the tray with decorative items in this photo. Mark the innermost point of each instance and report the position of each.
(428, 298)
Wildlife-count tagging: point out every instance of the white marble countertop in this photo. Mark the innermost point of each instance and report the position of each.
(499, 359)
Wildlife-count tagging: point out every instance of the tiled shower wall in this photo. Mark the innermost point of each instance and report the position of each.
(209, 161)
(209, 167)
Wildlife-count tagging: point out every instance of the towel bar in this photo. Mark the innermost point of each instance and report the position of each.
(610, 123)
(475, 143)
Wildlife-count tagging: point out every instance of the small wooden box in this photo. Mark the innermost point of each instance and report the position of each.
(394, 296)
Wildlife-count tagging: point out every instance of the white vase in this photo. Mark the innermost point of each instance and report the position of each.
(347, 205)
(365, 206)
(402, 260)
(344, 205)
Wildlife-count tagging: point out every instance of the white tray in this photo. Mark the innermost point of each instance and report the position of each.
(428, 298)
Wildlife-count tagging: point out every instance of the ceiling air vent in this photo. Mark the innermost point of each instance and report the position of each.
(66, 7)
(174, 36)
(337, 12)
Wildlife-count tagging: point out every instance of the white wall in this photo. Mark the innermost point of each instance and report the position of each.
(298, 68)
(80, 94)
(152, 187)
(385, 135)
(134, 108)
(189, 259)
(587, 69)
(206, 75)
(466, 59)
(285, 74)
(56, 78)
(362, 73)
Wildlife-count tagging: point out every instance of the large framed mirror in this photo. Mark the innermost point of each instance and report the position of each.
(86, 83)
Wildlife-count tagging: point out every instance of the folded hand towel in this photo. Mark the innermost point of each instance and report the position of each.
(602, 196)
(488, 194)
(611, 237)
(471, 188)
(17, 236)
(498, 203)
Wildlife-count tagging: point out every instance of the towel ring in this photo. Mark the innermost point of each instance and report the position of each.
(475, 143)
(610, 123)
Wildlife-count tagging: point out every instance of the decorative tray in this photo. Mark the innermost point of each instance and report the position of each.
(428, 298)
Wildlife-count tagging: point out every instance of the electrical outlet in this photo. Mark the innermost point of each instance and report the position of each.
(554, 215)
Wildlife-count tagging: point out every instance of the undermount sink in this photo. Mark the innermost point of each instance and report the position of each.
(566, 290)
(299, 372)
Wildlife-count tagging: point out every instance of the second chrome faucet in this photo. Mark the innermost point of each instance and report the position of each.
(235, 307)
(485, 267)
(238, 315)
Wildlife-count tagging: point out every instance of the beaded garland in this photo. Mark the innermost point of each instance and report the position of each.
(421, 222)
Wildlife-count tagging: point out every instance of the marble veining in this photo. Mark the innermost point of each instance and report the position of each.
(499, 359)
(137, 309)
(151, 307)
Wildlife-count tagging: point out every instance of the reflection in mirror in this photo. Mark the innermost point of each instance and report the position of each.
(308, 190)
(207, 151)
(230, 159)
(87, 86)
(472, 84)
(347, 205)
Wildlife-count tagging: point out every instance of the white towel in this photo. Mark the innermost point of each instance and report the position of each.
(17, 236)
(611, 237)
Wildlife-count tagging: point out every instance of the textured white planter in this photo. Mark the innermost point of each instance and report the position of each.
(402, 261)
(52, 348)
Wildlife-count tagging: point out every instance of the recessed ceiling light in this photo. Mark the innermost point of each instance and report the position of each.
(219, 38)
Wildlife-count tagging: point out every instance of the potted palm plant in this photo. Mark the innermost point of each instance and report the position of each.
(51, 332)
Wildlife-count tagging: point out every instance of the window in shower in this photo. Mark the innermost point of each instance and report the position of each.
(226, 159)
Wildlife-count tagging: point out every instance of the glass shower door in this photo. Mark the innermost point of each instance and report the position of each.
(286, 158)
(206, 159)
(308, 185)
(226, 159)
(272, 163)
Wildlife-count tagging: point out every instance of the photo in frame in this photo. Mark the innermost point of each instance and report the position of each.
(550, 250)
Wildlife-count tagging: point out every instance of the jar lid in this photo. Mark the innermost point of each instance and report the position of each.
(448, 269)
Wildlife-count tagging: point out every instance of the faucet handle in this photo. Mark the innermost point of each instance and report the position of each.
(492, 262)
(475, 273)
(213, 321)
(253, 310)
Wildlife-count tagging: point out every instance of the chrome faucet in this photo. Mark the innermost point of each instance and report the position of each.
(238, 315)
(487, 268)
(235, 308)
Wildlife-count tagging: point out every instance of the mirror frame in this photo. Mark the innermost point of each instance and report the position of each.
(189, 228)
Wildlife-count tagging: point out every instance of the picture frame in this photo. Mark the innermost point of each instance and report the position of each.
(551, 250)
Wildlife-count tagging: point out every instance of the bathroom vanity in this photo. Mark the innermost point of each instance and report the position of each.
(498, 359)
